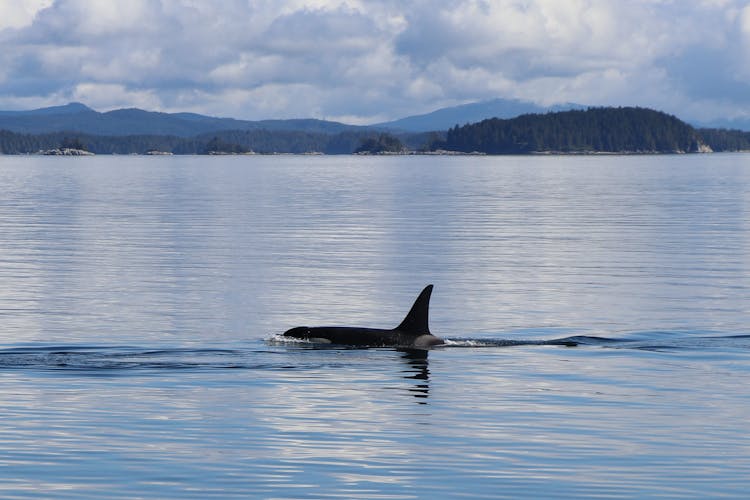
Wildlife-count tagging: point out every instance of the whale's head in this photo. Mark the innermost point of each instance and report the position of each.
(299, 332)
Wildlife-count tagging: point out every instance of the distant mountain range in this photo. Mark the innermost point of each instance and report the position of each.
(445, 118)
(729, 123)
(77, 117)
(77, 128)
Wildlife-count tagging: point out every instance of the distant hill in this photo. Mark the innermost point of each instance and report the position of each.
(738, 124)
(76, 117)
(445, 118)
(616, 130)
(73, 107)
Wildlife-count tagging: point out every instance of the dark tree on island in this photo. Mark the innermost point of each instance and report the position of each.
(720, 139)
(219, 146)
(73, 143)
(384, 143)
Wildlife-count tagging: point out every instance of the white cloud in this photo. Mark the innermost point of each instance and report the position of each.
(744, 19)
(374, 59)
(20, 13)
(106, 96)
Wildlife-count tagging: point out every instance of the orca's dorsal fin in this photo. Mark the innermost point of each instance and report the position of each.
(416, 321)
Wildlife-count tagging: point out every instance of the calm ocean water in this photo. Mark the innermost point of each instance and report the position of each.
(140, 299)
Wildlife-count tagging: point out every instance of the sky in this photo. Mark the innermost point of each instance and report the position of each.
(367, 61)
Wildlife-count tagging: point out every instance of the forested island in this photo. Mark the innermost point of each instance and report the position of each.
(222, 142)
(612, 130)
(622, 130)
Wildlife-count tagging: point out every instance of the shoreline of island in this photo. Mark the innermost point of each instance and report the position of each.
(593, 131)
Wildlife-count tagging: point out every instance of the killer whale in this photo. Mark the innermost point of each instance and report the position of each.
(413, 332)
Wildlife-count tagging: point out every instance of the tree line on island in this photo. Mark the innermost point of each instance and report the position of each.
(631, 130)
(615, 130)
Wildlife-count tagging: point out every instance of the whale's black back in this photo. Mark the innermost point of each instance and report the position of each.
(414, 330)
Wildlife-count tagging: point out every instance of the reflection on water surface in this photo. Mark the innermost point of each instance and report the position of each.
(596, 311)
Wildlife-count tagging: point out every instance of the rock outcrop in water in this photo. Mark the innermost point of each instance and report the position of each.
(65, 152)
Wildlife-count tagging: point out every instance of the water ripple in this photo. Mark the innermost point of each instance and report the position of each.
(290, 354)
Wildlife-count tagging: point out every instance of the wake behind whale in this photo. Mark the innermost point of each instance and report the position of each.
(287, 353)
